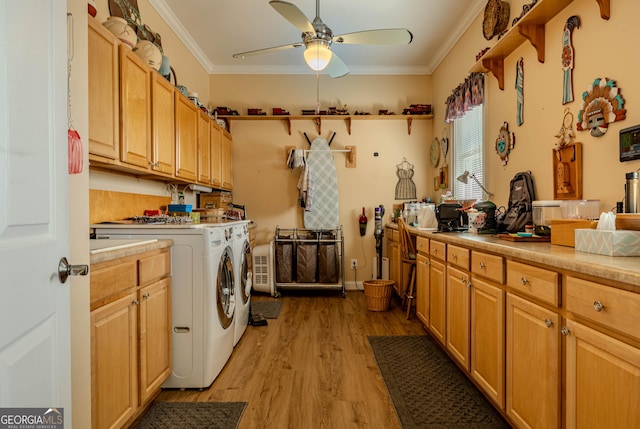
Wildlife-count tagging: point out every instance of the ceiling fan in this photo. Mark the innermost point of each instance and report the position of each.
(317, 38)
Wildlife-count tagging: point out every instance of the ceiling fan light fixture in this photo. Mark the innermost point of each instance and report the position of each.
(317, 55)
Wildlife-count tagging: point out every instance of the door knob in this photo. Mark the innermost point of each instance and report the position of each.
(65, 270)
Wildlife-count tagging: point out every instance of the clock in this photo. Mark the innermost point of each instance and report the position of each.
(435, 152)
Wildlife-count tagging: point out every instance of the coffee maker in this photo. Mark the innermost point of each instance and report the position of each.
(488, 209)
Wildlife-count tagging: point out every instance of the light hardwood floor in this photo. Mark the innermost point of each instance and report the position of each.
(312, 367)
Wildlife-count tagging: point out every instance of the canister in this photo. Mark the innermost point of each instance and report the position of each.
(631, 193)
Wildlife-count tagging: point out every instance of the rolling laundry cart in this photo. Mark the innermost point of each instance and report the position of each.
(309, 259)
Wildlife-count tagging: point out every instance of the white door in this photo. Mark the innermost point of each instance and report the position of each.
(34, 230)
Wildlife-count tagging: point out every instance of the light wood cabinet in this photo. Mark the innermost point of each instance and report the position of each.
(130, 335)
(186, 138)
(216, 155)
(422, 280)
(227, 161)
(602, 380)
(135, 109)
(488, 339)
(163, 147)
(532, 364)
(437, 299)
(204, 148)
(458, 314)
(114, 364)
(104, 93)
(395, 263)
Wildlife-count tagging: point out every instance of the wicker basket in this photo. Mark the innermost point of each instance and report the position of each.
(378, 294)
(496, 18)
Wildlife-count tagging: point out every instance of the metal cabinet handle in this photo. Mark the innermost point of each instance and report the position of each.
(454, 257)
(482, 266)
(564, 331)
(524, 280)
(597, 306)
(65, 269)
(548, 323)
(146, 295)
(135, 302)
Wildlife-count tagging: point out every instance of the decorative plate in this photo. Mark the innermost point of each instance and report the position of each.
(435, 152)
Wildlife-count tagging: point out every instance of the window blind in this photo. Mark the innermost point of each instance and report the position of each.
(467, 153)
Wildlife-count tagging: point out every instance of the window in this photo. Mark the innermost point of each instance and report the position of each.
(467, 153)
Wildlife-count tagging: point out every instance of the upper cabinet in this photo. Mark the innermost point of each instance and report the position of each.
(204, 149)
(227, 161)
(135, 109)
(104, 93)
(530, 27)
(186, 138)
(163, 127)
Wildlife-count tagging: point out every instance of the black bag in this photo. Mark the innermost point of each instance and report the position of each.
(519, 212)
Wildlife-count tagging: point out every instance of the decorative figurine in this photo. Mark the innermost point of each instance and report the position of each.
(602, 104)
(504, 143)
(568, 59)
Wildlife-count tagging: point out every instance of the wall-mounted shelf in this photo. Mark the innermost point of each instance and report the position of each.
(532, 28)
(287, 119)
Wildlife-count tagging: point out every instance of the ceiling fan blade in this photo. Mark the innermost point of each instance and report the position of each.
(337, 67)
(267, 50)
(291, 13)
(390, 36)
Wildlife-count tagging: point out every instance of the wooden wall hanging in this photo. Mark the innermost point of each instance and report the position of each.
(601, 105)
(567, 168)
(568, 59)
(504, 143)
(520, 91)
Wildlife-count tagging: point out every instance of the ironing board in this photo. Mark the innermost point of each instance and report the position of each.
(324, 211)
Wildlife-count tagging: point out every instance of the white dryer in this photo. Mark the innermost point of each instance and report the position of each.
(203, 297)
(244, 277)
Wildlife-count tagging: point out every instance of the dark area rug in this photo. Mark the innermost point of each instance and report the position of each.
(192, 415)
(427, 389)
(268, 309)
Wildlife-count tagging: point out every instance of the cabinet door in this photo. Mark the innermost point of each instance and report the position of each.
(114, 366)
(135, 109)
(395, 267)
(422, 294)
(155, 337)
(602, 380)
(186, 138)
(104, 93)
(533, 364)
(163, 125)
(487, 339)
(458, 315)
(437, 300)
(227, 161)
(204, 148)
(216, 155)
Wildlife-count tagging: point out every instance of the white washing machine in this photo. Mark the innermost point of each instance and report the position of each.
(203, 296)
(244, 277)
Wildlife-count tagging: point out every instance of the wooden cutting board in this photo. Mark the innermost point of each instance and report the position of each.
(516, 237)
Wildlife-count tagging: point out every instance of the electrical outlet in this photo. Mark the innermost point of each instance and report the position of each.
(354, 264)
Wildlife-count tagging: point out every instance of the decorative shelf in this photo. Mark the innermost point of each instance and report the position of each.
(287, 119)
(530, 27)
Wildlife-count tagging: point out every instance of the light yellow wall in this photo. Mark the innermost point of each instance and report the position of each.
(268, 188)
(602, 49)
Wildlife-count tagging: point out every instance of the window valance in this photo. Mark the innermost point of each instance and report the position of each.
(466, 96)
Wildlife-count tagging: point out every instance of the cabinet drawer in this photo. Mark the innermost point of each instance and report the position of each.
(395, 235)
(458, 256)
(437, 249)
(422, 245)
(536, 282)
(488, 266)
(111, 280)
(154, 267)
(610, 307)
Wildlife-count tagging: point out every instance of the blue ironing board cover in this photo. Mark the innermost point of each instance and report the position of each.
(324, 210)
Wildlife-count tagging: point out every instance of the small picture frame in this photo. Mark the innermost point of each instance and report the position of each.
(443, 178)
(436, 183)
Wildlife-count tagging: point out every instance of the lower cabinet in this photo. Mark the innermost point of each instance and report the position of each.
(487, 339)
(437, 300)
(532, 364)
(130, 335)
(422, 289)
(602, 380)
(458, 300)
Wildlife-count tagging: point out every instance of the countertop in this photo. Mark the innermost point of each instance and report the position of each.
(623, 269)
(102, 250)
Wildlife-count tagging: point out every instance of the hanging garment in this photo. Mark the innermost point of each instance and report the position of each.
(305, 189)
(405, 188)
(324, 211)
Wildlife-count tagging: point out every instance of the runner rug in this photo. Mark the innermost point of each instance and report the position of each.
(192, 415)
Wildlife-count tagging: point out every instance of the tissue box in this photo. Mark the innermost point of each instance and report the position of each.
(610, 243)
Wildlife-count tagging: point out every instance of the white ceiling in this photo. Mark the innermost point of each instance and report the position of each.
(216, 29)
